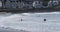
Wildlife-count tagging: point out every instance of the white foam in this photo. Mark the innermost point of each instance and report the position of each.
(29, 23)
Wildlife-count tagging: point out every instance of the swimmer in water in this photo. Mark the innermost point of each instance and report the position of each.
(44, 19)
(21, 19)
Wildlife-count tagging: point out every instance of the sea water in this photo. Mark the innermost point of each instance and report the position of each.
(31, 22)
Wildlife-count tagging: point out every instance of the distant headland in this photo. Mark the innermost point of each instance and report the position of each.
(29, 5)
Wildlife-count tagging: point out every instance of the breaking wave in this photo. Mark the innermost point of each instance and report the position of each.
(32, 22)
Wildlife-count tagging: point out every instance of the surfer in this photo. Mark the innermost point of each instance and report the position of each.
(44, 19)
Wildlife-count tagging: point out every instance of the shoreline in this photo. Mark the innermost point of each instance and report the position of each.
(31, 10)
